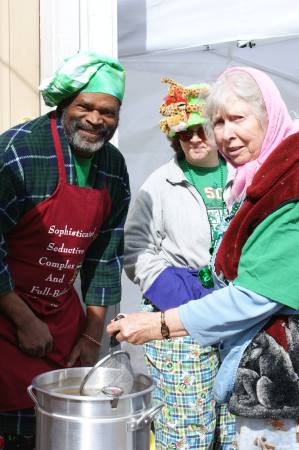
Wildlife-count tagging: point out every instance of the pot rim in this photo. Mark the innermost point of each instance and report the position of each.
(88, 398)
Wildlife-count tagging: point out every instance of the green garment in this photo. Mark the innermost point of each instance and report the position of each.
(82, 166)
(209, 182)
(269, 260)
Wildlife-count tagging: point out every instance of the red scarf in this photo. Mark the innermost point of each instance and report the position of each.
(275, 184)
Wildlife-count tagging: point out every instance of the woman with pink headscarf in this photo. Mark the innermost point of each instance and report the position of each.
(254, 313)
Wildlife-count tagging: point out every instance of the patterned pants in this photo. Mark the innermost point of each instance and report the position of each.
(190, 420)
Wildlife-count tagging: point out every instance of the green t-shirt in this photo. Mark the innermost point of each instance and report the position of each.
(82, 166)
(269, 262)
(209, 182)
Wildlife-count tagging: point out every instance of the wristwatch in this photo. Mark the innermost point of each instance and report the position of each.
(164, 328)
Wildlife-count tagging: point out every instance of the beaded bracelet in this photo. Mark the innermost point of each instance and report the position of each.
(91, 339)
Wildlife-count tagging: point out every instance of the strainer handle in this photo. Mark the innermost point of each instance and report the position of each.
(113, 341)
(145, 419)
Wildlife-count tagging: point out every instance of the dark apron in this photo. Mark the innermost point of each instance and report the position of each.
(46, 250)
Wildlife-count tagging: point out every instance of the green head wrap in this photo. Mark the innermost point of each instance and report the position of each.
(84, 72)
(183, 107)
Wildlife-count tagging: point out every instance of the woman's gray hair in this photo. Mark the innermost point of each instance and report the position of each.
(243, 86)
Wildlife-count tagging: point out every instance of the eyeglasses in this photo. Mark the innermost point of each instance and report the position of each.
(187, 135)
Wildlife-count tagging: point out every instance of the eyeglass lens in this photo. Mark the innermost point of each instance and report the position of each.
(188, 134)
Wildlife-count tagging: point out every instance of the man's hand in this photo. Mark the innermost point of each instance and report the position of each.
(85, 349)
(35, 338)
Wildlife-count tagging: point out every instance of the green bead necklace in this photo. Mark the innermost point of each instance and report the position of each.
(205, 274)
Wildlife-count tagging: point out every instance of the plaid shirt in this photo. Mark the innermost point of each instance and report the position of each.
(29, 174)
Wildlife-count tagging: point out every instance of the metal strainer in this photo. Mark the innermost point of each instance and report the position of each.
(112, 375)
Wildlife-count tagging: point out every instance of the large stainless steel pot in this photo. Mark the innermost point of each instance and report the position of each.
(68, 421)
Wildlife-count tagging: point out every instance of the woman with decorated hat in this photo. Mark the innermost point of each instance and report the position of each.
(168, 239)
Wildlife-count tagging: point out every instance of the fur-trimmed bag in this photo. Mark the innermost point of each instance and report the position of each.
(267, 382)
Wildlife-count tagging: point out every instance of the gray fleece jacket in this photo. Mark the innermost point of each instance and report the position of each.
(166, 226)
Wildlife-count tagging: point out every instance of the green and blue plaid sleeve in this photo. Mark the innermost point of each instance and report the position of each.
(25, 164)
(11, 208)
(101, 271)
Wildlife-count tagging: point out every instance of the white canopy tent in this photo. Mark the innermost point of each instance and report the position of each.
(192, 41)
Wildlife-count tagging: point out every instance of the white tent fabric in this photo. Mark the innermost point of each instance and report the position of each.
(192, 41)
(163, 25)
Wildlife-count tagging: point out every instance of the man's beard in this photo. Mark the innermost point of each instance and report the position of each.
(71, 129)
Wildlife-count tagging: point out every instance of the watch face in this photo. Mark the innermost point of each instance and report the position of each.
(165, 331)
(164, 328)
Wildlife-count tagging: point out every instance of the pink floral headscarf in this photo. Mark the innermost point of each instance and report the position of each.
(280, 125)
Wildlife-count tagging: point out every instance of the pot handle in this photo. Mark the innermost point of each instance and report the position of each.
(145, 419)
(31, 394)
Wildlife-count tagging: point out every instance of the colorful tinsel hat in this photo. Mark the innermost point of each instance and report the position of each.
(183, 107)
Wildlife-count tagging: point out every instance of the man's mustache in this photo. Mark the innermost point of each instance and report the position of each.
(96, 129)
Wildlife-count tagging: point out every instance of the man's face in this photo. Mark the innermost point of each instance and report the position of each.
(90, 120)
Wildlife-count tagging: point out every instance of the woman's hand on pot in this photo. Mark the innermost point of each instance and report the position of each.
(136, 328)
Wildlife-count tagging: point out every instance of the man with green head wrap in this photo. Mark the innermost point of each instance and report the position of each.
(64, 196)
